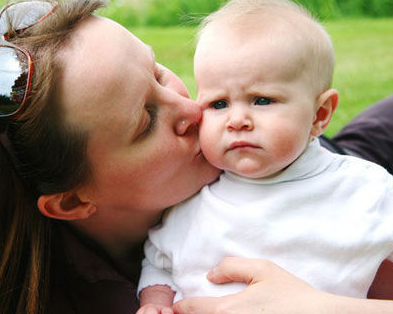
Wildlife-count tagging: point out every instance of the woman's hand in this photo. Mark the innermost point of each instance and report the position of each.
(271, 290)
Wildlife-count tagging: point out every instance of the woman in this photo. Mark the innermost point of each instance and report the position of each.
(102, 146)
(103, 140)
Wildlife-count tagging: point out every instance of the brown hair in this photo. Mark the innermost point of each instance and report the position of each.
(49, 157)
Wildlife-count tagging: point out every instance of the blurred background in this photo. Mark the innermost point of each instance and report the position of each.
(361, 30)
(180, 12)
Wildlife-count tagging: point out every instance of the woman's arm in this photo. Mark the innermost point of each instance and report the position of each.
(272, 290)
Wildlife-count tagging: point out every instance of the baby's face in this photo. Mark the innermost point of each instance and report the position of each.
(258, 109)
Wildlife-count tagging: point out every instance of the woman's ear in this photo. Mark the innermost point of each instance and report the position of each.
(65, 206)
(326, 105)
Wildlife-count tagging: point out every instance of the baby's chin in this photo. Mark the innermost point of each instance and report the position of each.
(252, 170)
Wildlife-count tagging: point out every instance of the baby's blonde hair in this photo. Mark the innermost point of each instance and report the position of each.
(320, 58)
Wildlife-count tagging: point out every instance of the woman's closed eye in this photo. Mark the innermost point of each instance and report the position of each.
(151, 110)
(159, 74)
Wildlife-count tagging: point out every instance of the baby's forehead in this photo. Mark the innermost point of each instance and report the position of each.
(287, 31)
(273, 34)
(285, 34)
(282, 24)
(270, 45)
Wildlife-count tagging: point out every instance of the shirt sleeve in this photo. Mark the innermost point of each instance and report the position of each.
(156, 269)
(164, 243)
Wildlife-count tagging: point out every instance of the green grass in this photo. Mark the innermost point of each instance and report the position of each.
(364, 70)
(176, 12)
(364, 51)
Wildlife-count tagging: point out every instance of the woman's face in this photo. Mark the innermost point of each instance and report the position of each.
(143, 142)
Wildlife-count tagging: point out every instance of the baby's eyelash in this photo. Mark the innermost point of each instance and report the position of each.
(263, 101)
(219, 104)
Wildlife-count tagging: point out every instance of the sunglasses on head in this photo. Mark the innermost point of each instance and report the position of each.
(16, 66)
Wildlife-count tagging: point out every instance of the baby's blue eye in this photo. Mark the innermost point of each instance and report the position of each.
(263, 101)
(221, 104)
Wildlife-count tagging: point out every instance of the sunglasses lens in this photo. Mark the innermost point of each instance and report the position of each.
(13, 79)
(24, 14)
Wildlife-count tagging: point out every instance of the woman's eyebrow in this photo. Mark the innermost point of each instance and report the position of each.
(153, 55)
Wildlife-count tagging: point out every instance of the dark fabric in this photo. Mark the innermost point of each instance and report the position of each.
(369, 135)
(85, 282)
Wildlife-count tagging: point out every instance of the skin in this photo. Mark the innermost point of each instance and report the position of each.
(259, 112)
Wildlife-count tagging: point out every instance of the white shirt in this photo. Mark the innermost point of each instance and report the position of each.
(327, 219)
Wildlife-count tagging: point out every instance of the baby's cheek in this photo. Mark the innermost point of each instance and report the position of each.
(289, 146)
(206, 130)
(206, 143)
(209, 148)
(203, 136)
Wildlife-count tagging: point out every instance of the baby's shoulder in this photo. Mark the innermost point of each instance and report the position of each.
(360, 169)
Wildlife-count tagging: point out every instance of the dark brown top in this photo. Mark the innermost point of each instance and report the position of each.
(85, 281)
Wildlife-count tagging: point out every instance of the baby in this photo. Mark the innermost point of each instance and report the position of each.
(264, 70)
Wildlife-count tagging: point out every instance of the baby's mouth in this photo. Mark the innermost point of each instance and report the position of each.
(242, 144)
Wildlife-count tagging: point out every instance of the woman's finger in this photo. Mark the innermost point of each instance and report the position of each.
(198, 305)
(237, 269)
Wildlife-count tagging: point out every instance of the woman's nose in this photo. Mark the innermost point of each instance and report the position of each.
(185, 114)
(239, 121)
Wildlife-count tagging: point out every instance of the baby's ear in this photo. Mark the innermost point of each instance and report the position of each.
(326, 104)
